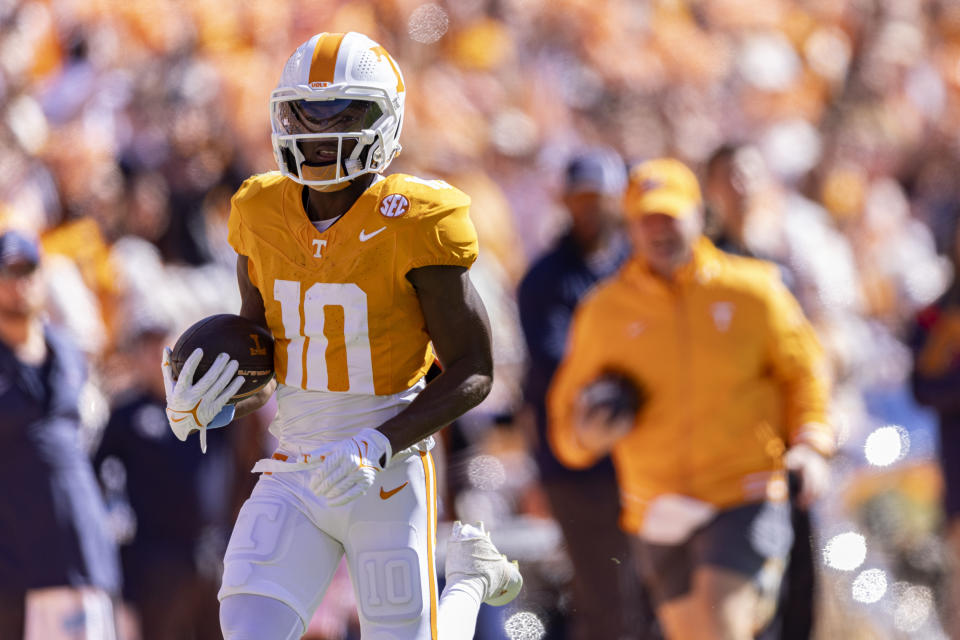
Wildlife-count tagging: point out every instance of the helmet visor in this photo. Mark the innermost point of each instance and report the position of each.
(326, 116)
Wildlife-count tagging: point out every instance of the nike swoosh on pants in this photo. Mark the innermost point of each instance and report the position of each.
(389, 494)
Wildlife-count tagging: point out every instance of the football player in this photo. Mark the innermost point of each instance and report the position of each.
(361, 278)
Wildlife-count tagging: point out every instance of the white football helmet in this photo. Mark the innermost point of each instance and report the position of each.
(337, 112)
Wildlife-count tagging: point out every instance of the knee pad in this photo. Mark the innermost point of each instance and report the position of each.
(260, 536)
(386, 566)
(388, 585)
(261, 530)
(251, 617)
(276, 552)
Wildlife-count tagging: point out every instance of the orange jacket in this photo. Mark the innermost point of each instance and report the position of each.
(733, 373)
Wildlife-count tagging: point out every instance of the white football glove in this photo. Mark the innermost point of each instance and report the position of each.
(193, 406)
(350, 467)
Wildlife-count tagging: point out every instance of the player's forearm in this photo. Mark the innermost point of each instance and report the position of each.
(451, 394)
(254, 402)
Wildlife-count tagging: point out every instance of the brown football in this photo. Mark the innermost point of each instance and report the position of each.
(246, 342)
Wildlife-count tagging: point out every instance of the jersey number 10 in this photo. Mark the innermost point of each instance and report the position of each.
(329, 341)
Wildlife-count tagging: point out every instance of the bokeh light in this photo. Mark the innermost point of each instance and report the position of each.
(768, 61)
(886, 445)
(513, 132)
(914, 605)
(486, 472)
(845, 551)
(869, 586)
(428, 23)
(828, 52)
(792, 147)
(524, 625)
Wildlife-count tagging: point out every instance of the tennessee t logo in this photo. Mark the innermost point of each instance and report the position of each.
(382, 53)
(319, 244)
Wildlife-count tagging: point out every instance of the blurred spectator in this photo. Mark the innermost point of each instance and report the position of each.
(58, 564)
(727, 196)
(176, 530)
(733, 390)
(936, 383)
(585, 503)
(730, 192)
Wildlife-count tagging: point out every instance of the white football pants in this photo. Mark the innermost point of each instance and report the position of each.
(287, 543)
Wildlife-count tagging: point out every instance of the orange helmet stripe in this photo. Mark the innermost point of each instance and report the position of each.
(324, 61)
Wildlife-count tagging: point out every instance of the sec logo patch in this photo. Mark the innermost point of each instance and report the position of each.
(394, 205)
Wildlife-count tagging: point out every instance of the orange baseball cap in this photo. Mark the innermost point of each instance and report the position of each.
(664, 185)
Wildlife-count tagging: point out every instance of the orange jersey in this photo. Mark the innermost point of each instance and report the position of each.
(343, 314)
(732, 370)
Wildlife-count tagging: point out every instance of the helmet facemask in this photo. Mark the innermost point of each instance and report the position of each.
(330, 141)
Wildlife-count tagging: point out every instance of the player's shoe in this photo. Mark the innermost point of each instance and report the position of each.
(470, 553)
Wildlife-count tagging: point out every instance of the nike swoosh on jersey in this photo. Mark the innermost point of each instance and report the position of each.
(366, 236)
(389, 494)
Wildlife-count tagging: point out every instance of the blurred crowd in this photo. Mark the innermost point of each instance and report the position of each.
(126, 126)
